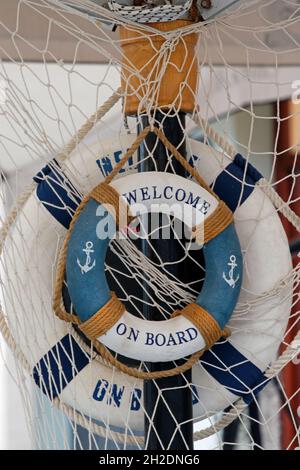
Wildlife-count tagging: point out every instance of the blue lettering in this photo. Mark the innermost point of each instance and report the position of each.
(121, 329)
(193, 200)
(192, 333)
(149, 339)
(155, 196)
(135, 399)
(117, 156)
(105, 165)
(180, 336)
(116, 395)
(100, 390)
(171, 341)
(133, 334)
(145, 194)
(162, 341)
(115, 392)
(204, 208)
(131, 197)
(165, 192)
(183, 195)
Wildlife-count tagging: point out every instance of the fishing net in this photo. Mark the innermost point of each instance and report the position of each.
(73, 99)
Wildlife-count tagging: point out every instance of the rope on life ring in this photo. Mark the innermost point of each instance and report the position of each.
(111, 312)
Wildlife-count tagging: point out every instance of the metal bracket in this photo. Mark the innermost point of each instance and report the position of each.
(217, 7)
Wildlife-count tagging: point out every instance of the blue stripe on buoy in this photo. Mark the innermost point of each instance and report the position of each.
(57, 193)
(236, 182)
(223, 362)
(234, 371)
(59, 366)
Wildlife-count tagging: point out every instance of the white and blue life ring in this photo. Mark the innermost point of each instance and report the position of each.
(132, 336)
(62, 368)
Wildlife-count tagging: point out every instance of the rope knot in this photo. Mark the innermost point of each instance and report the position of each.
(170, 44)
(113, 202)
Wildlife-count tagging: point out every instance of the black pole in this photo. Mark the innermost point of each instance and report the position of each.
(167, 401)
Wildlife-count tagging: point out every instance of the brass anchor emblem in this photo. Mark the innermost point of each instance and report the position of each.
(230, 280)
(87, 265)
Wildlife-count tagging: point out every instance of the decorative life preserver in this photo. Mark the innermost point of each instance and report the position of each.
(62, 367)
(132, 336)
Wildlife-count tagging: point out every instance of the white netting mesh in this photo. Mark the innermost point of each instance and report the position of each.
(60, 98)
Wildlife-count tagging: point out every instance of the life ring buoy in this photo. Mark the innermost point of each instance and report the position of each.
(135, 337)
(231, 369)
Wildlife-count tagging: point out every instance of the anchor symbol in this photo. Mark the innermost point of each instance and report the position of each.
(87, 266)
(230, 280)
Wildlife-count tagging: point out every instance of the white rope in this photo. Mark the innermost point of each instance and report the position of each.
(264, 185)
(88, 125)
(279, 203)
(209, 131)
(291, 351)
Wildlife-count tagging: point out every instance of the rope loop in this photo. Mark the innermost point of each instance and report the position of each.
(113, 202)
(204, 322)
(104, 319)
